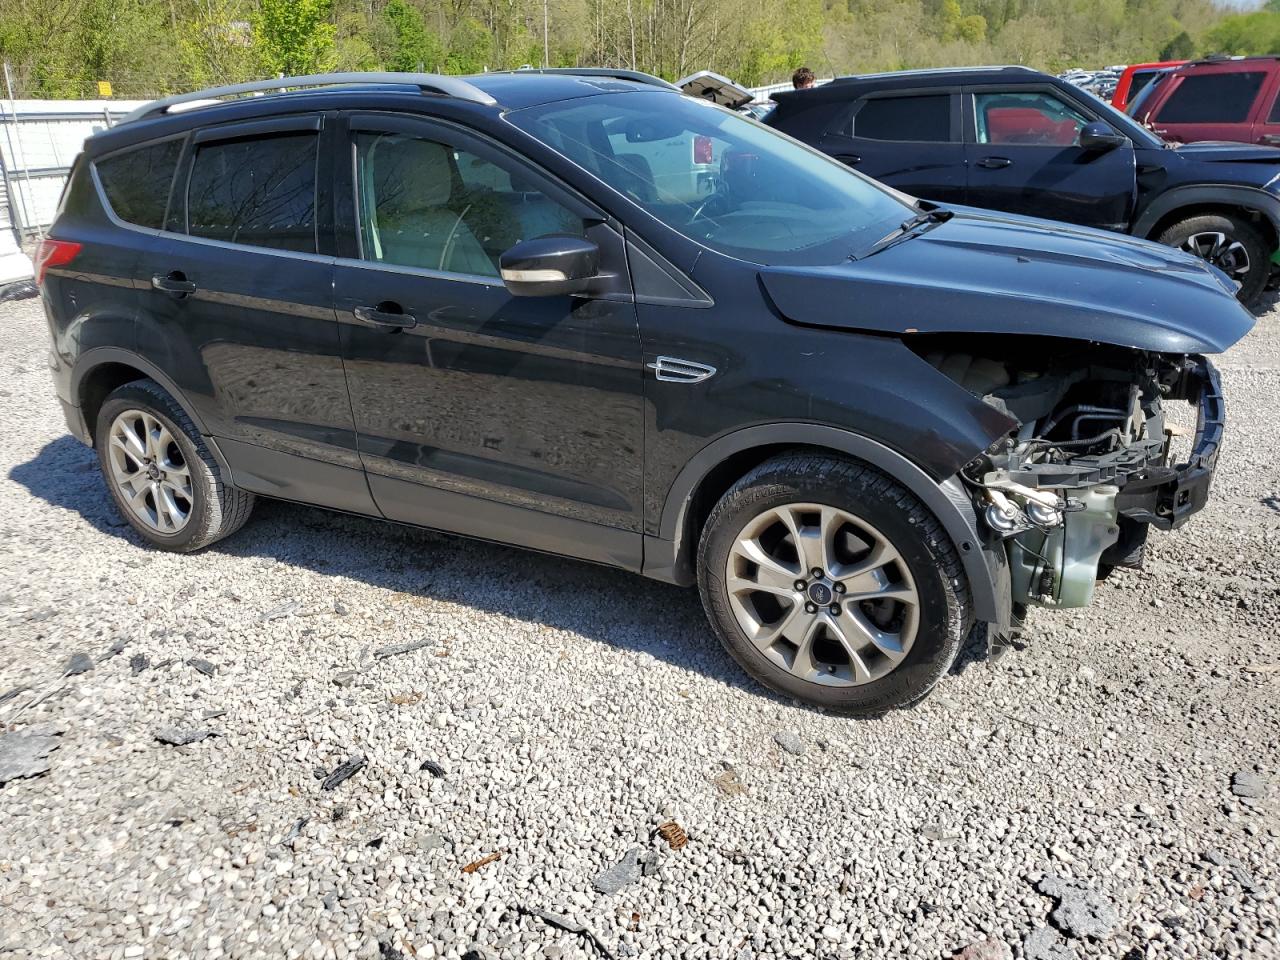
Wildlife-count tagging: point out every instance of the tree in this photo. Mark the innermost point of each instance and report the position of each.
(294, 36)
(414, 46)
(1181, 47)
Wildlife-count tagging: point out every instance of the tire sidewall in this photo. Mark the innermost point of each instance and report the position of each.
(939, 629)
(131, 397)
(1259, 255)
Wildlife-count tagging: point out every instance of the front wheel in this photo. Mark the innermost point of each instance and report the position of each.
(829, 582)
(1231, 244)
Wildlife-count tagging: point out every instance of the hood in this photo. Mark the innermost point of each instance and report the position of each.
(987, 273)
(1225, 151)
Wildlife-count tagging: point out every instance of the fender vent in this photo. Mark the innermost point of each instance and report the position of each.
(674, 370)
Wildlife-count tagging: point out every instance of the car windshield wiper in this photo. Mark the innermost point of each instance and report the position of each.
(911, 227)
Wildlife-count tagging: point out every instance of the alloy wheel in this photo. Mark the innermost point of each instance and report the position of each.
(149, 471)
(823, 594)
(1227, 254)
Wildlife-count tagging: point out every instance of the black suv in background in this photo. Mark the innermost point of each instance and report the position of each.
(594, 317)
(1014, 139)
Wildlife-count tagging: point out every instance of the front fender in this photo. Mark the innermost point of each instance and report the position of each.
(669, 556)
(1249, 198)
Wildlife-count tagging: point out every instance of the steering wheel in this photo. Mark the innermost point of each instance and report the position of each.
(701, 211)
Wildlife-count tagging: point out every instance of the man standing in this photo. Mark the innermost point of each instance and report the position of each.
(802, 79)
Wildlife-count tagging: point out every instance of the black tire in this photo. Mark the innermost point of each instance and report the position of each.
(217, 509)
(1236, 230)
(944, 604)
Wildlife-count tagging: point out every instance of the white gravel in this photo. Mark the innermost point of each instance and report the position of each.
(571, 710)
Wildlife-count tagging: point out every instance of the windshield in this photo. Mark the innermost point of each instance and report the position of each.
(718, 178)
(1141, 136)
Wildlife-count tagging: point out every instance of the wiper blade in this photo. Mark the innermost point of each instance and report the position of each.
(911, 227)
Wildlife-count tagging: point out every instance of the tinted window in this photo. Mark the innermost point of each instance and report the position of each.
(1274, 116)
(1212, 98)
(1035, 119)
(426, 204)
(1139, 81)
(905, 118)
(256, 192)
(137, 182)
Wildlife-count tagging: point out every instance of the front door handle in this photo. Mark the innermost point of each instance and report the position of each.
(852, 159)
(1270, 139)
(387, 315)
(174, 283)
(995, 163)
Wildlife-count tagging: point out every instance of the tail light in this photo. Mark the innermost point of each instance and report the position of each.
(702, 149)
(54, 253)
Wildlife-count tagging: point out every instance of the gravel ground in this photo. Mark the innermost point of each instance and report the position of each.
(1074, 799)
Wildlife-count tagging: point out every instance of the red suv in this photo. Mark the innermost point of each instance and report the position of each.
(1137, 76)
(1219, 99)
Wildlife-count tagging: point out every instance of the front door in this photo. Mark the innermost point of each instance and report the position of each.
(910, 141)
(1024, 157)
(510, 418)
(238, 311)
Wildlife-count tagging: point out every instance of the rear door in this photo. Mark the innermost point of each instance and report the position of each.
(908, 139)
(515, 419)
(1024, 157)
(1211, 102)
(238, 310)
(1266, 127)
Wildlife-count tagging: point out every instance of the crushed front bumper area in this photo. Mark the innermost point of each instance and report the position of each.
(1066, 520)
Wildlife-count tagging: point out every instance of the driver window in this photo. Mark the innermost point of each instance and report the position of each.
(1032, 118)
(426, 204)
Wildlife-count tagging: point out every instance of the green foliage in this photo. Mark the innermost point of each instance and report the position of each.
(152, 47)
(415, 47)
(1181, 47)
(1249, 33)
(294, 36)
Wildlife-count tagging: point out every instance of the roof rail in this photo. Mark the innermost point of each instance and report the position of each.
(426, 82)
(607, 72)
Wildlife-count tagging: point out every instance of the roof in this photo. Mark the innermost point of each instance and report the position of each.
(839, 88)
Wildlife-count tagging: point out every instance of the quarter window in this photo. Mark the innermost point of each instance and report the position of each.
(924, 118)
(1212, 98)
(259, 192)
(1032, 118)
(429, 205)
(137, 182)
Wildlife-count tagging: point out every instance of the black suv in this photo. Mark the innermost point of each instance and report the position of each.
(592, 316)
(1014, 139)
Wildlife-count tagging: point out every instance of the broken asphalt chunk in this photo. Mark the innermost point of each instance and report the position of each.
(78, 664)
(1081, 912)
(139, 662)
(344, 771)
(25, 754)
(202, 666)
(181, 737)
(627, 870)
(432, 768)
(286, 609)
(398, 648)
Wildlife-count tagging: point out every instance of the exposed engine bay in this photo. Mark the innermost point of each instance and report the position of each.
(1074, 489)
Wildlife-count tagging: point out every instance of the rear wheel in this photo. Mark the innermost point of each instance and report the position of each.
(829, 582)
(1231, 244)
(160, 473)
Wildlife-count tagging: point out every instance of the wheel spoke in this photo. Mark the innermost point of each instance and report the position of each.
(856, 627)
(860, 672)
(766, 634)
(770, 567)
(804, 665)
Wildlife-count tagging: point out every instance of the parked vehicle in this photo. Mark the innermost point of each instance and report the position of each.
(859, 422)
(1134, 79)
(1236, 98)
(1013, 139)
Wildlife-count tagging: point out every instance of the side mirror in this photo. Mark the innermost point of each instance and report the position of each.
(1101, 136)
(549, 266)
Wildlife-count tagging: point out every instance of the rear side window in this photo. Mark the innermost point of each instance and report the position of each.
(137, 182)
(922, 119)
(259, 192)
(1212, 98)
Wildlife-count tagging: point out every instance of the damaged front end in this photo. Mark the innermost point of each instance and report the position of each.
(1096, 458)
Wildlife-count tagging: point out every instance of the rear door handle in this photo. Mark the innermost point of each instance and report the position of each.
(174, 283)
(995, 163)
(387, 315)
(852, 159)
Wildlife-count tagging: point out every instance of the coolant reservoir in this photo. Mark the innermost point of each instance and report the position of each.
(1059, 567)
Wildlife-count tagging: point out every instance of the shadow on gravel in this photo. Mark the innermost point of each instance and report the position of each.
(611, 606)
